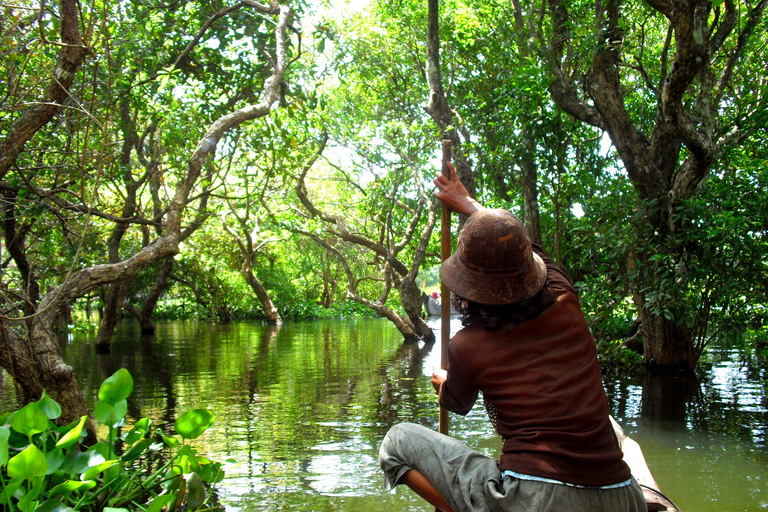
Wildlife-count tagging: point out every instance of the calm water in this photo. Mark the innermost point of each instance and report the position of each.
(301, 410)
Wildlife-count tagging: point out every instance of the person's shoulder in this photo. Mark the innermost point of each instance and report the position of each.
(467, 338)
(556, 276)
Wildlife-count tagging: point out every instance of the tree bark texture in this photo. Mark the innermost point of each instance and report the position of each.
(270, 311)
(437, 104)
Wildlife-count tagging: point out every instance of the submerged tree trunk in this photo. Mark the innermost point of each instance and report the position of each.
(667, 344)
(150, 302)
(270, 311)
(34, 363)
(113, 311)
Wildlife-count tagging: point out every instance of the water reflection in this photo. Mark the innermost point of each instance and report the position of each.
(301, 409)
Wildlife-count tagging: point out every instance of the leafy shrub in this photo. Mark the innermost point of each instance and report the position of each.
(615, 358)
(45, 468)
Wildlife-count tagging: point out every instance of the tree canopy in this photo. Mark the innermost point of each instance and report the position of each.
(245, 160)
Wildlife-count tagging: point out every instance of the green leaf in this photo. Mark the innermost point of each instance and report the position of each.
(4, 434)
(171, 442)
(102, 412)
(136, 450)
(55, 459)
(70, 486)
(210, 472)
(73, 436)
(117, 387)
(139, 430)
(193, 423)
(9, 491)
(160, 502)
(53, 505)
(186, 460)
(96, 470)
(111, 415)
(29, 420)
(49, 406)
(78, 463)
(28, 464)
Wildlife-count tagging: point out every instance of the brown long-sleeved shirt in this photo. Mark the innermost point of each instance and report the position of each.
(543, 391)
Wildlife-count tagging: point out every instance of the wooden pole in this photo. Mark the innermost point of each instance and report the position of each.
(445, 293)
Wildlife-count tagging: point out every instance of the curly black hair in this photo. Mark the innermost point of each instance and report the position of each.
(494, 317)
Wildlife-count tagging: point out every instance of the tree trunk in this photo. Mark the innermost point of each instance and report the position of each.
(34, 363)
(531, 199)
(113, 312)
(270, 311)
(150, 303)
(410, 297)
(666, 345)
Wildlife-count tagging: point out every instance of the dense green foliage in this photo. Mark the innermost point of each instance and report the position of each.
(44, 467)
(322, 198)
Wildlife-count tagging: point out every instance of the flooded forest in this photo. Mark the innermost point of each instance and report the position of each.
(219, 228)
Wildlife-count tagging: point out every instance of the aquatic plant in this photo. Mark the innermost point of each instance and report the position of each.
(46, 468)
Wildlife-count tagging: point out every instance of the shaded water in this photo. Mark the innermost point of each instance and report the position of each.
(301, 410)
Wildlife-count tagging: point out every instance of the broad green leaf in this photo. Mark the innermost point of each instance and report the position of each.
(102, 412)
(96, 470)
(210, 472)
(160, 502)
(139, 430)
(118, 413)
(28, 464)
(49, 406)
(171, 442)
(111, 415)
(29, 500)
(4, 434)
(136, 450)
(9, 491)
(53, 505)
(78, 463)
(73, 436)
(186, 460)
(70, 486)
(117, 387)
(29, 420)
(193, 423)
(104, 449)
(55, 459)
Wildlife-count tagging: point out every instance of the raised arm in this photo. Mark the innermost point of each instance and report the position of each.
(453, 193)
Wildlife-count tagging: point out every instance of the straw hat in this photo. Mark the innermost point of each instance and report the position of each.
(494, 263)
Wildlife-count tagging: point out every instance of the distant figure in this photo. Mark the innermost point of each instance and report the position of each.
(526, 346)
(433, 304)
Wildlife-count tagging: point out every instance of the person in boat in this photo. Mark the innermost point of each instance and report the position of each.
(526, 346)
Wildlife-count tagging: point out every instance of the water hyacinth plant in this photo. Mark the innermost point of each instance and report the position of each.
(45, 468)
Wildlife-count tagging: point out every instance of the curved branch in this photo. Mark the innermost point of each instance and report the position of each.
(72, 51)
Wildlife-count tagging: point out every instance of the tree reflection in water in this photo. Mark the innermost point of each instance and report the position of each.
(301, 409)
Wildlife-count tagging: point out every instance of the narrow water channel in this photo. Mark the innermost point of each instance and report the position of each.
(301, 409)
